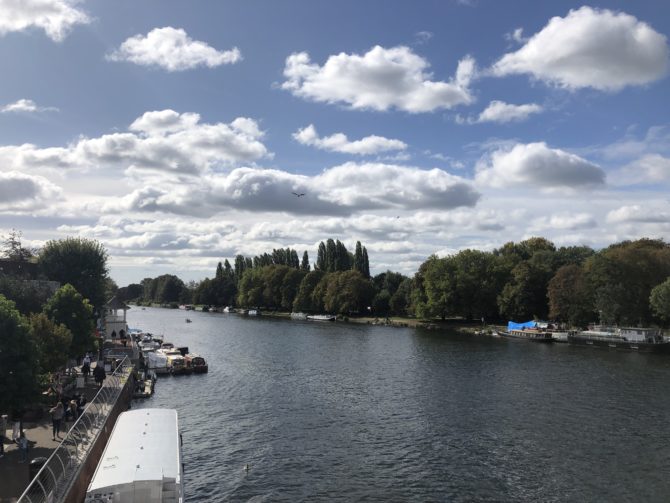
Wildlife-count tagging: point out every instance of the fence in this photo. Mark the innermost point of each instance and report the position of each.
(52, 482)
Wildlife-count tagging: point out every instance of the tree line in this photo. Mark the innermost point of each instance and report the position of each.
(626, 283)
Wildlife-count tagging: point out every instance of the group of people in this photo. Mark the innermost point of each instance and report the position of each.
(66, 410)
(18, 436)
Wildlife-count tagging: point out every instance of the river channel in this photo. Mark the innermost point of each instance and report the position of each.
(346, 412)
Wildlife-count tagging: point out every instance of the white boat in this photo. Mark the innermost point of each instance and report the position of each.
(157, 362)
(298, 316)
(142, 460)
(252, 312)
(321, 317)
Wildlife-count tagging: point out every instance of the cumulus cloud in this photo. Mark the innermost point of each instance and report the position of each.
(501, 112)
(19, 191)
(55, 17)
(535, 165)
(638, 215)
(649, 169)
(595, 48)
(172, 49)
(164, 141)
(564, 221)
(380, 79)
(341, 190)
(339, 142)
(25, 106)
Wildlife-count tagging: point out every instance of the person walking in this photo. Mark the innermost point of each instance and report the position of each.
(57, 414)
(23, 448)
(99, 373)
(86, 367)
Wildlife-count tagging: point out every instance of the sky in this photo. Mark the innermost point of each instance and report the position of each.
(182, 133)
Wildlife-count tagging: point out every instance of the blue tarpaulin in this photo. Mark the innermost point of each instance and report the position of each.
(520, 326)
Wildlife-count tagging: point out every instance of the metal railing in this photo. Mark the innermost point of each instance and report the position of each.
(55, 478)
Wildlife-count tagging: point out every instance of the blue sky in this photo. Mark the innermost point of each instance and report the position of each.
(176, 132)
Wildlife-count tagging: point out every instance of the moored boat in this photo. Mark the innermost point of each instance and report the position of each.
(646, 340)
(196, 363)
(142, 460)
(298, 316)
(529, 331)
(321, 317)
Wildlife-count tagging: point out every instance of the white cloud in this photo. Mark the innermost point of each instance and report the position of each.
(380, 79)
(649, 169)
(516, 36)
(595, 48)
(172, 49)
(536, 166)
(341, 190)
(55, 17)
(565, 221)
(637, 214)
(25, 106)
(163, 141)
(339, 142)
(501, 112)
(21, 192)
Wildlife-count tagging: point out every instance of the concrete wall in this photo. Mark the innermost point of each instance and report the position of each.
(77, 492)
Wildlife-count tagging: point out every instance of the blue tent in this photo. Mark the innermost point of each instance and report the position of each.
(520, 326)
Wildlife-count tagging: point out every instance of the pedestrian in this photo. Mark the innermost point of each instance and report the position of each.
(73, 411)
(16, 425)
(99, 373)
(23, 448)
(3, 430)
(124, 338)
(57, 414)
(86, 367)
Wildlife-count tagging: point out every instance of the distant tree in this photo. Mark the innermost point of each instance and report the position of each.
(18, 359)
(304, 265)
(28, 297)
(381, 304)
(439, 288)
(569, 299)
(13, 249)
(347, 292)
(331, 254)
(304, 298)
(219, 271)
(366, 264)
(321, 263)
(133, 291)
(660, 300)
(290, 286)
(52, 342)
(228, 270)
(80, 262)
(401, 299)
(68, 307)
(358, 258)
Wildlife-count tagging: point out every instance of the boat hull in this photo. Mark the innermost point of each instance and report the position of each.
(532, 337)
(621, 345)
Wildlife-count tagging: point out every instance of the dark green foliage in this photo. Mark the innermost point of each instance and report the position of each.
(165, 289)
(345, 292)
(29, 297)
(304, 298)
(80, 262)
(134, 291)
(304, 265)
(569, 299)
(12, 248)
(52, 342)
(659, 300)
(18, 360)
(68, 307)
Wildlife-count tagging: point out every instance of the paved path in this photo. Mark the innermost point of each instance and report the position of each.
(14, 475)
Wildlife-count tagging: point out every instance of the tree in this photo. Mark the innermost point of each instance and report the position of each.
(70, 308)
(219, 271)
(321, 264)
(366, 263)
(358, 258)
(290, 286)
(131, 292)
(304, 265)
(660, 300)
(18, 359)
(80, 262)
(304, 298)
(569, 300)
(29, 297)
(52, 342)
(13, 249)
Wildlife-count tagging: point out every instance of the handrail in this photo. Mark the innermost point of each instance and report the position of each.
(53, 481)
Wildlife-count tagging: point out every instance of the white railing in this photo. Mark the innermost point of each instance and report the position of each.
(52, 482)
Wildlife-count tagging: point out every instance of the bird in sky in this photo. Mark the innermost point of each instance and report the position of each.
(298, 194)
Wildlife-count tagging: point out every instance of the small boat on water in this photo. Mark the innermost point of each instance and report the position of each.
(529, 331)
(321, 317)
(196, 363)
(253, 312)
(142, 460)
(144, 384)
(645, 340)
(188, 320)
(298, 316)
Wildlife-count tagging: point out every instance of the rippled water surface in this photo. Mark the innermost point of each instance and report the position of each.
(339, 412)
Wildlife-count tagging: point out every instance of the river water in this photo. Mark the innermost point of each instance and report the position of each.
(345, 412)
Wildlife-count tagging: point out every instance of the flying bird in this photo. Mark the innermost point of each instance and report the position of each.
(298, 195)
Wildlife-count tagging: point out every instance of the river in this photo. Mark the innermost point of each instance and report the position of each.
(346, 412)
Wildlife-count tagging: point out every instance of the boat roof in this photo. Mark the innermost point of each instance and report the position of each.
(144, 445)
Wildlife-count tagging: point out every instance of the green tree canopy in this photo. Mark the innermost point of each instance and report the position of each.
(18, 360)
(80, 262)
(660, 300)
(68, 307)
(52, 342)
